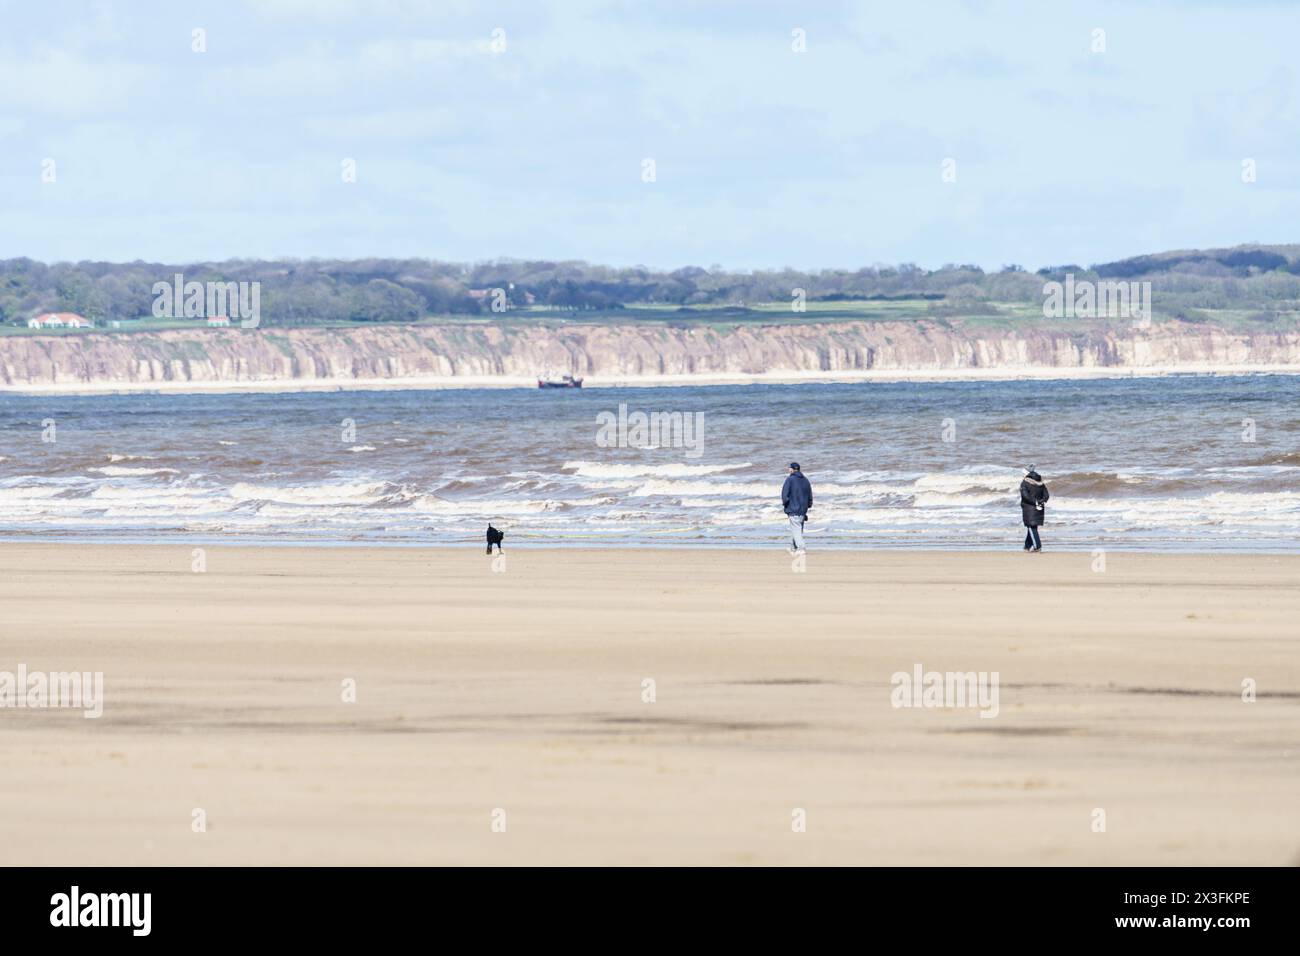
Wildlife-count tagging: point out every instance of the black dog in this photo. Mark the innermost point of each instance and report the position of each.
(494, 537)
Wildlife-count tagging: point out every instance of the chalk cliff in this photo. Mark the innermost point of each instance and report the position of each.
(609, 353)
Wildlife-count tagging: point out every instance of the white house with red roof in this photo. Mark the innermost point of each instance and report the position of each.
(60, 320)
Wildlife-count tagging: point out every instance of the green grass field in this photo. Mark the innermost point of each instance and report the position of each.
(998, 315)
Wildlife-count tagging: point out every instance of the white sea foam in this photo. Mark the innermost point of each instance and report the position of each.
(677, 489)
(940, 499)
(765, 490)
(122, 471)
(1003, 480)
(902, 517)
(20, 491)
(368, 492)
(130, 492)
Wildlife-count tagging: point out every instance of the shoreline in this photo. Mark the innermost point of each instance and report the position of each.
(451, 382)
(775, 546)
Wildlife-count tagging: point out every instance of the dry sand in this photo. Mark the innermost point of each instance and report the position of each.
(522, 690)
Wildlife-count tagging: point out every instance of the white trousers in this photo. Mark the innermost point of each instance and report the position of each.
(796, 529)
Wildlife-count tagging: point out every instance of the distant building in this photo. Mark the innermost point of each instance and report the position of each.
(218, 321)
(60, 320)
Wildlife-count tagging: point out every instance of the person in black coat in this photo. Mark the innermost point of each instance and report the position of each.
(796, 499)
(1033, 496)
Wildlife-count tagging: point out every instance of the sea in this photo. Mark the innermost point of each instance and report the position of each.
(1178, 463)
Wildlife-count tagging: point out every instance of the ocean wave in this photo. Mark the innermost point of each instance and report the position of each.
(905, 516)
(871, 477)
(677, 489)
(131, 492)
(1289, 459)
(599, 469)
(367, 492)
(942, 499)
(432, 504)
(121, 471)
(21, 491)
(746, 507)
(757, 490)
(1125, 483)
(1002, 481)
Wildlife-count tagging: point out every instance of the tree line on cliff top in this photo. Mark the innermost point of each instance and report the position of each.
(306, 292)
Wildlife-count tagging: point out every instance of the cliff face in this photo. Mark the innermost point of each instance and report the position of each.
(216, 357)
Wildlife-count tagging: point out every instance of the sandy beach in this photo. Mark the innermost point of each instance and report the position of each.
(523, 690)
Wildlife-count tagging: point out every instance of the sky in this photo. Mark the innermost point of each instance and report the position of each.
(482, 130)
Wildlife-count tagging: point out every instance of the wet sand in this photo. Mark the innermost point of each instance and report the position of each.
(522, 690)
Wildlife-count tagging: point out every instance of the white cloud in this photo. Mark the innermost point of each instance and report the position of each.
(60, 82)
(397, 124)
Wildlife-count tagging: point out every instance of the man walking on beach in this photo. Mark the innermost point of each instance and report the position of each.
(796, 498)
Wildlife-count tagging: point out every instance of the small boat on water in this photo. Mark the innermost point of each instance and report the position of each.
(567, 381)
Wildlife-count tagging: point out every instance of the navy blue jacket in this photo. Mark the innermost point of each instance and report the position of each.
(796, 494)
